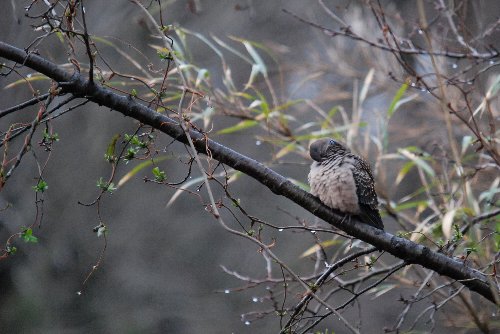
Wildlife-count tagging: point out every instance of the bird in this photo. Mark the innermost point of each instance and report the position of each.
(344, 181)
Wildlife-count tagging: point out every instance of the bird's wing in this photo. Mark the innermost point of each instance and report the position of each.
(365, 189)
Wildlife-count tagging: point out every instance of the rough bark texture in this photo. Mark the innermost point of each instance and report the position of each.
(402, 248)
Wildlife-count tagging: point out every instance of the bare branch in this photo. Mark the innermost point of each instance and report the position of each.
(402, 248)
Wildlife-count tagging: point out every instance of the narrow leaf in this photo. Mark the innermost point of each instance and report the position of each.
(238, 127)
(395, 100)
(137, 169)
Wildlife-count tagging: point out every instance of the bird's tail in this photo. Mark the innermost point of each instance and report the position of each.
(371, 216)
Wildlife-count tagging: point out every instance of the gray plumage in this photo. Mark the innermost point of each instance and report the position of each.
(343, 181)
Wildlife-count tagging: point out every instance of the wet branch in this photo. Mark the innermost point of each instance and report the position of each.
(410, 252)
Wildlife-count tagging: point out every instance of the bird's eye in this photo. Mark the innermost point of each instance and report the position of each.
(332, 142)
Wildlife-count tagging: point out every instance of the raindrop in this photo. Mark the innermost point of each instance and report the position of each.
(469, 82)
(423, 89)
(492, 62)
(454, 65)
(247, 323)
(132, 79)
(226, 291)
(28, 75)
(413, 84)
(258, 143)
(255, 299)
(420, 31)
(198, 189)
(280, 230)
(79, 293)
(313, 232)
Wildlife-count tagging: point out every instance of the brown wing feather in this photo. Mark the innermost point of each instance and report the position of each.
(365, 189)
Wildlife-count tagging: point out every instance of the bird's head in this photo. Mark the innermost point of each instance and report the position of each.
(325, 149)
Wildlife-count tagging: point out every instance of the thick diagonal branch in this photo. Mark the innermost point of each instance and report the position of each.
(278, 184)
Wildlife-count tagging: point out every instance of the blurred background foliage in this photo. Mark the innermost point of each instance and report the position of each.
(265, 84)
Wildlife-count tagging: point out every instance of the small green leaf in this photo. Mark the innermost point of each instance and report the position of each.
(11, 250)
(50, 137)
(41, 186)
(27, 236)
(159, 174)
(103, 185)
(130, 154)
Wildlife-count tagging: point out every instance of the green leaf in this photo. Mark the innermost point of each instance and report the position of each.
(238, 127)
(410, 205)
(138, 168)
(50, 137)
(27, 236)
(264, 106)
(394, 104)
(159, 174)
(403, 171)
(41, 186)
(103, 185)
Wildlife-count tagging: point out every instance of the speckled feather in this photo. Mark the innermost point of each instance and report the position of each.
(343, 181)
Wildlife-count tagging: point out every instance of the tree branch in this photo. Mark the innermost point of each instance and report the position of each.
(402, 248)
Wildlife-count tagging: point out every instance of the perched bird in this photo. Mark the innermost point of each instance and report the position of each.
(343, 181)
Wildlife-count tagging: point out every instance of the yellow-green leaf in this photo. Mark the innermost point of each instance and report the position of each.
(394, 104)
(29, 78)
(249, 123)
(317, 247)
(137, 169)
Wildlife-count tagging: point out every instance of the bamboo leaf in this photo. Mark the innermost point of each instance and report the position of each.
(418, 161)
(29, 78)
(394, 104)
(110, 151)
(249, 123)
(447, 224)
(403, 171)
(137, 169)
(317, 247)
(366, 85)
